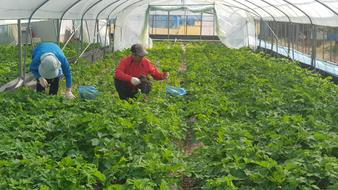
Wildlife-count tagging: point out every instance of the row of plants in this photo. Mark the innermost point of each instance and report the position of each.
(49, 142)
(265, 123)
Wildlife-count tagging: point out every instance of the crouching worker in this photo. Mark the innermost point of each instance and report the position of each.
(132, 72)
(48, 65)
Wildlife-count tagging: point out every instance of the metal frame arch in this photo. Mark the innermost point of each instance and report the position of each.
(110, 4)
(63, 14)
(325, 5)
(260, 8)
(28, 25)
(98, 14)
(111, 12)
(313, 53)
(84, 13)
(246, 10)
(301, 10)
(91, 6)
(287, 16)
(68, 8)
(273, 18)
(126, 7)
(273, 33)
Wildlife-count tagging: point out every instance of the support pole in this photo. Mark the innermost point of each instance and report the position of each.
(88, 32)
(214, 22)
(255, 46)
(277, 32)
(314, 46)
(304, 37)
(110, 36)
(168, 23)
(20, 49)
(260, 34)
(296, 35)
(114, 34)
(97, 31)
(105, 39)
(152, 20)
(247, 32)
(186, 19)
(201, 25)
(68, 8)
(70, 37)
(81, 35)
(31, 36)
(58, 31)
(83, 15)
(293, 39)
(288, 34)
(272, 37)
(265, 37)
(330, 41)
(323, 43)
(27, 34)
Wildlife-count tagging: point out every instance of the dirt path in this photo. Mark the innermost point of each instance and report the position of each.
(190, 143)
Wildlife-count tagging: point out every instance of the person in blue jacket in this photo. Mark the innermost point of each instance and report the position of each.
(48, 64)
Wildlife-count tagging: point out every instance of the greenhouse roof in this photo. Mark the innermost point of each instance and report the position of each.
(319, 12)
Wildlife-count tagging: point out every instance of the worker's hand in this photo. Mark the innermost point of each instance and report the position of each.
(69, 95)
(166, 75)
(135, 81)
(43, 82)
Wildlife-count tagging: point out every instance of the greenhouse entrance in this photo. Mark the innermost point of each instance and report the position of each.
(171, 23)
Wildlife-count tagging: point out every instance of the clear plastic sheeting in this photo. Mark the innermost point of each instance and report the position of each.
(46, 30)
(90, 32)
(321, 12)
(326, 66)
(131, 27)
(232, 28)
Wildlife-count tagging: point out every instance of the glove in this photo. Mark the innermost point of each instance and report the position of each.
(43, 82)
(135, 81)
(166, 75)
(69, 95)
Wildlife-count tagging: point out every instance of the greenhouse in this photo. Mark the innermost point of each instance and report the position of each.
(234, 94)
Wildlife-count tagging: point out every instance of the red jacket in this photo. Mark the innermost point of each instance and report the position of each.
(127, 69)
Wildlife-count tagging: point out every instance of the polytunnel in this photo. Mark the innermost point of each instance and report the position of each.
(241, 94)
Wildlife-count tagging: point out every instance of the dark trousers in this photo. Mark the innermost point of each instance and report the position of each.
(124, 90)
(54, 86)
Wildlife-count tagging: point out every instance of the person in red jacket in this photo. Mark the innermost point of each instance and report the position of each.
(132, 72)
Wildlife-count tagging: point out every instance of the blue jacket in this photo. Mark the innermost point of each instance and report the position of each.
(49, 47)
